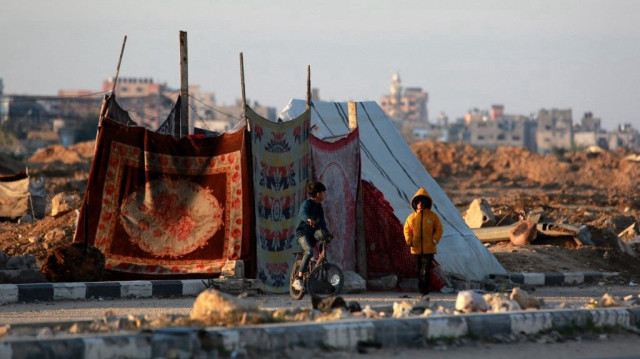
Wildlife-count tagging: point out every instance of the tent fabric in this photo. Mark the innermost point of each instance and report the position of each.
(14, 195)
(157, 205)
(387, 252)
(391, 166)
(281, 170)
(114, 112)
(171, 126)
(337, 165)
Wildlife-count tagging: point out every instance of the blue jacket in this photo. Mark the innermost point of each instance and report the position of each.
(310, 209)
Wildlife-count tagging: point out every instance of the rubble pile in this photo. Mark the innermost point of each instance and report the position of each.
(215, 308)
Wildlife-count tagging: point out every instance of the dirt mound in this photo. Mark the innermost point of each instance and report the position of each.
(55, 153)
(600, 179)
(32, 238)
(74, 262)
(604, 170)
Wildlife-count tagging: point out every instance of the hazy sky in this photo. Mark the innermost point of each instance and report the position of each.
(526, 55)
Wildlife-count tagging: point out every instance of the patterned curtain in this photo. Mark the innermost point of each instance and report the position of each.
(337, 166)
(280, 153)
(157, 205)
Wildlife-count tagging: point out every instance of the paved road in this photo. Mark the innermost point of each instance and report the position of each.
(609, 346)
(95, 309)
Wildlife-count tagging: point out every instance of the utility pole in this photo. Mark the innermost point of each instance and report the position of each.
(184, 86)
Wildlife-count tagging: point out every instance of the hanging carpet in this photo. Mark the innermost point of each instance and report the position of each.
(281, 163)
(158, 205)
(337, 166)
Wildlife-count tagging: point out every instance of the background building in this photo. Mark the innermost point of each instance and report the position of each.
(406, 107)
(493, 128)
(555, 130)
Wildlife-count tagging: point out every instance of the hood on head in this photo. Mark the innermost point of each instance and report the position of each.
(422, 193)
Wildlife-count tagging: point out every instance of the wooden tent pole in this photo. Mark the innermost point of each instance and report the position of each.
(244, 97)
(115, 80)
(308, 86)
(361, 244)
(103, 110)
(185, 128)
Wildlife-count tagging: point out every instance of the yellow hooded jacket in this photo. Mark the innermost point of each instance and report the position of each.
(422, 237)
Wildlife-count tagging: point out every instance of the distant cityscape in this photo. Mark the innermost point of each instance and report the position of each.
(546, 131)
(72, 115)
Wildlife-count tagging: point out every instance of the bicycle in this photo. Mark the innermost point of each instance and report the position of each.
(321, 279)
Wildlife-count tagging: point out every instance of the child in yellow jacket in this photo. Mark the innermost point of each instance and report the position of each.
(422, 231)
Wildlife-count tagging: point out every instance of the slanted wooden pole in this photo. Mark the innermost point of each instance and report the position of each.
(115, 80)
(361, 243)
(184, 86)
(353, 115)
(244, 97)
(308, 86)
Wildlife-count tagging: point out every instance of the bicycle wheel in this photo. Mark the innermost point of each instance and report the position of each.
(295, 294)
(325, 280)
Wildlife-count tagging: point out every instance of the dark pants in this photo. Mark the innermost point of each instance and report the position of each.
(424, 262)
(307, 243)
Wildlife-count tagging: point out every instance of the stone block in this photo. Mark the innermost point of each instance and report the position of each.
(233, 269)
(353, 283)
(479, 214)
(64, 202)
(389, 282)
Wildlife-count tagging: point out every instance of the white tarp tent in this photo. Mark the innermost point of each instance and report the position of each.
(392, 167)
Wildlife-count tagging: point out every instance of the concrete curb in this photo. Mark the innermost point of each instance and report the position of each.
(43, 292)
(554, 279)
(13, 293)
(269, 339)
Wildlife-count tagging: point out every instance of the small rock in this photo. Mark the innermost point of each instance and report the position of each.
(64, 202)
(524, 299)
(389, 282)
(75, 329)
(213, 307)
(369, 313)
(34, 239)
(500, 303)
(353, 283)
(479, 214)
(326, 305)
(605, 301)
(469, 301)
(401, 310)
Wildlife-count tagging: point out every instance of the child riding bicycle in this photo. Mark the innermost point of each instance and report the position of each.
(312, 227)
